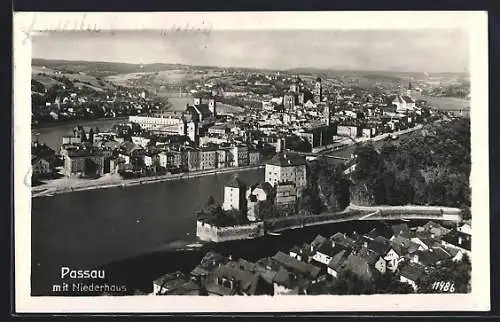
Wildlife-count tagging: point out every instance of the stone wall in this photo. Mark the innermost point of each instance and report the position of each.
(208, 232)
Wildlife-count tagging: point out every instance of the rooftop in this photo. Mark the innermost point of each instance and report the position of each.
(287, 160)
(236, 183)
(413, 271)
(296, 265)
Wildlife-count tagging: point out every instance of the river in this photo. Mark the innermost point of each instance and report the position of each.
(100, 227)
(89, 228)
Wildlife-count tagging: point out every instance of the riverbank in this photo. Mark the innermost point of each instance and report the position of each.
(76, 122)
(344, 143)
(67, 185)
(356, 213)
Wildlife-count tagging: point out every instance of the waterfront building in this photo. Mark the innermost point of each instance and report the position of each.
(192, 158)
(211, 230)
(286, 193)
(83, 161)
(223, 158)
(40, 166)
(208, 159)
(240, 153)
(255, 195)
(165, 121)
(253, 157)
(285, 167)
(131, 153)
(347, 130)
(234, 195)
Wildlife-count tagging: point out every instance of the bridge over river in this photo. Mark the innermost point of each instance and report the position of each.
(355, 213)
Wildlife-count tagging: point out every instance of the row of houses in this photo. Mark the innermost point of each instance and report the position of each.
(85, 159)
(409, 254)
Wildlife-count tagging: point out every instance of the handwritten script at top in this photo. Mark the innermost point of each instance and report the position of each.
(63, 25)
(68, 25)
(187, 29)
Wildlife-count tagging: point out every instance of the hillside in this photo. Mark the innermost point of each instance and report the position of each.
(50, 77)
(101, 69)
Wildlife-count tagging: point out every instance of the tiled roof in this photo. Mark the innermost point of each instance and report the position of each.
(413, 271)
(369, 256)
(296, 265)
(338, 260)
(287, 160)
(235, 183)
(428, 257)
(327, 249)
(318, 241)
(399, 229)
(359, 266)
(379, 247)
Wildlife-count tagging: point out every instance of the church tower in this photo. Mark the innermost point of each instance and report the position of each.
(212, 106)
(327, 114)
(318, 90)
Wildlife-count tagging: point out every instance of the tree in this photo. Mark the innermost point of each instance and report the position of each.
(457, 274)
(210, 201)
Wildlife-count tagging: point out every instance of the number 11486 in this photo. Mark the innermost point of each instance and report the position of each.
(443, 286)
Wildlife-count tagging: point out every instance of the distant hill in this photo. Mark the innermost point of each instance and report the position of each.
(102, 69)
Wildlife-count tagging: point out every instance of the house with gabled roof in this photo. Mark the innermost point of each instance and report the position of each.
(295, 266)
(412, 274)
(342, 240)
(337, 262)
(230, 279)
(358, 266)
(374, 259)
(400, 230)
(326, 252)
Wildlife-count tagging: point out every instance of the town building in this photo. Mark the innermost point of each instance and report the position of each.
(208, 159)
(403, 103)
(253, 157)
(412, 274)
(286, 194)
(83, 161)
(255, 195)
(40, 166)
(285, 167)
(348, 130)
(240, 155)
(235, 195)
(318, 90)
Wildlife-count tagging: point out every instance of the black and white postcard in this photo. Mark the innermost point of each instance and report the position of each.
(251, 162)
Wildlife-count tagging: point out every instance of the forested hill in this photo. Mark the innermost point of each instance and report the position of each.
(429, 167)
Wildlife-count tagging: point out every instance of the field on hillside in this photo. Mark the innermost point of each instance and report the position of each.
(48, 77)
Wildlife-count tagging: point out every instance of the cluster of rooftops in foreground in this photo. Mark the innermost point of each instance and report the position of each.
(409, 254)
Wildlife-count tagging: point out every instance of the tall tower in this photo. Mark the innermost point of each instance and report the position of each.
(326, 114)
(212, 106)
(318, 90)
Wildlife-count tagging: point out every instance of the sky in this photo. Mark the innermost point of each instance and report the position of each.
(390, 50)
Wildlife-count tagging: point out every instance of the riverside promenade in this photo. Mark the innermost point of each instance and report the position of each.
(361, 213)
(66, 185)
